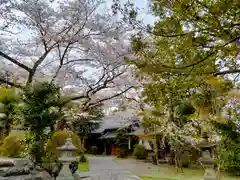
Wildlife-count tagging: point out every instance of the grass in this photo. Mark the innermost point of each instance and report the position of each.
(169, 173)
(119, 158)
(90, 154)
(83, 166)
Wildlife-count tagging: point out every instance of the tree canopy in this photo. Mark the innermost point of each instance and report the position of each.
(200, 37)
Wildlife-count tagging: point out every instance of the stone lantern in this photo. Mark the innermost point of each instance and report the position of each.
(66, 157)
(206, 159)
(67, 149)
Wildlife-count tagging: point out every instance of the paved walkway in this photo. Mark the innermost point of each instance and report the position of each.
(104, 168)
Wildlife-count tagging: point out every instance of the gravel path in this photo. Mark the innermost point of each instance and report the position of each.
(104, 168)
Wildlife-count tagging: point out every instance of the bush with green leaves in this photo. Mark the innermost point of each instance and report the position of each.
(229, 156)
(122, 142)
(82, 158)
(93, 150)
(39, 112)
(228, 149)
(59, 138)
(9, 99)
(123, 153)
(140, 152)
(185, 159)
(13, 145)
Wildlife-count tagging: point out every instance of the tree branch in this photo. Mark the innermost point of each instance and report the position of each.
(15, 61)
(107, 98)
(227, 72)
(61, 58)
(36, 64)
(4, 81)
(205, 58)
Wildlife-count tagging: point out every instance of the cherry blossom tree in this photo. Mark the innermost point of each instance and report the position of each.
(73, 43)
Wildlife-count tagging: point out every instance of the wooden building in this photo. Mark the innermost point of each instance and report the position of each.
(104, 138)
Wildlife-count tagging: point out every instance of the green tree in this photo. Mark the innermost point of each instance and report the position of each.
(228, 148)
(86, 123)
(192, 37)
(83, 123)
(179, 58)
(122, 142)
(9, 99)
(39, 112)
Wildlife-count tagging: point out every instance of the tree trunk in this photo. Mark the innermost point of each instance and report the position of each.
(37, 148)
(7, 129)
(83, 145)
(178, 163)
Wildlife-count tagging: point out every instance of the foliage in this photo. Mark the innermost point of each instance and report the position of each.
(228, 156)
(93, 150)
(185, 159)
(140, 152)
(9, 99)
(83, 125)
(123, 153)
(181, 79)
(59, 138)
(192, 37)
(228, 148)
(122, 138)
(82, 158)
(122, 142)
(39, 112)
(180, 63)
(13, 145)
(82, 122)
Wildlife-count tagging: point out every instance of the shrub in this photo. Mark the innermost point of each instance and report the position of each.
(123, 152)
(140, 152)
(122, 142)
(185, 159)
(228, 157)
(94, 150)
(13, 145)
(59, 138)
(83, 159)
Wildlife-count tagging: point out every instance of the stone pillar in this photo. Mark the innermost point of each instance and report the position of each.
(207, 160)
(129, 142)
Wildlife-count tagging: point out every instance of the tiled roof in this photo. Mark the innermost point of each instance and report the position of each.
(117, 120)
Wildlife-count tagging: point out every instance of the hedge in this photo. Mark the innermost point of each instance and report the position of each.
(13, 145)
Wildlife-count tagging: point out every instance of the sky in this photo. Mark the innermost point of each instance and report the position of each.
(144, 14)
(142, 6)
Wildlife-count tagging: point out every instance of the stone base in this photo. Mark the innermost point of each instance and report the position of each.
(210, 174)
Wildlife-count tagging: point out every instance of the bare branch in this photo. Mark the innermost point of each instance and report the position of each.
(4, 81)
(227, 72)
(15, 61)
(61, 59)
(107, 98)
(140, 104)
(36, 64)
(78, 60)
